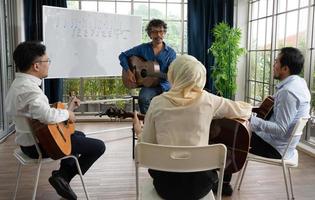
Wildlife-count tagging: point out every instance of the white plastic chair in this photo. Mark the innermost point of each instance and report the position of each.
(286, 164)
(25, 160)
(178, 159)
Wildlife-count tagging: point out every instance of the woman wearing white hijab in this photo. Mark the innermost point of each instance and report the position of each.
(182, 117)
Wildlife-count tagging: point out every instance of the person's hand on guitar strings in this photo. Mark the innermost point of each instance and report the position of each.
(131, 77)
(137, 124)
(74, 103)
(71, 118)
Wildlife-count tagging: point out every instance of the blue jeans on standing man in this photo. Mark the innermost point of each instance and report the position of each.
(145, 96)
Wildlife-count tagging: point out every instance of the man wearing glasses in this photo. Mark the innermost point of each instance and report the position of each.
(156, 50)
(26, 100)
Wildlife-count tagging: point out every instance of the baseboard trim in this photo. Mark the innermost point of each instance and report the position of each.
(306, 149)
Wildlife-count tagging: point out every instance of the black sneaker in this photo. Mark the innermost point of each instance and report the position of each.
(227, 189)
(62, 187)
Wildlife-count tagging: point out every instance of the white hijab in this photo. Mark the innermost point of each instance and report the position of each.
(187, 77)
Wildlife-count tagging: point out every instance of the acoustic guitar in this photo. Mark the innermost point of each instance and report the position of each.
(234, 133)
(54, 138)
(147, 73)
(265, 109)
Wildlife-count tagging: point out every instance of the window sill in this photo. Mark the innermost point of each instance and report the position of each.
(306, 148)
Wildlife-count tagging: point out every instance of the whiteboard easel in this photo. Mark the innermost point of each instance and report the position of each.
(85, 43)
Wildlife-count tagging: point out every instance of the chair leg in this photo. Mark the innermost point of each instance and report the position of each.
(137, 181)
(241, 175)
(133, 142)
(18, 176)
(291, 185)
(238, 179)
(36, 179)
(285, 180)
(81, 176)
(220, 184)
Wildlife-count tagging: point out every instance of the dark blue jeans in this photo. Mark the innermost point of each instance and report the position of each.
(183, 186)
(145, 96)
(87, 150)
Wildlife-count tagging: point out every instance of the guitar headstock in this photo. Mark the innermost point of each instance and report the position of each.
(116, 112)
(119, 113)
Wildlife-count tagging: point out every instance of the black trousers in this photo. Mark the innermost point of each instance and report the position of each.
(258, 147)
(261, 148)
(183, 186)
(88, 150)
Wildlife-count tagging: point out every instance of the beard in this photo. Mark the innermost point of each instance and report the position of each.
(158, 39)
(276, 77)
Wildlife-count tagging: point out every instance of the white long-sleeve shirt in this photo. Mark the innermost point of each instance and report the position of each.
(188, 125)
(25, 99)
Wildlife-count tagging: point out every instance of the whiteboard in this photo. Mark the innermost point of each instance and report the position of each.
(87, 44)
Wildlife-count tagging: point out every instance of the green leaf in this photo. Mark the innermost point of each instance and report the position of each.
(226, 51)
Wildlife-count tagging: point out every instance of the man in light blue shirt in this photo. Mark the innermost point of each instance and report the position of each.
(156, 50)
(291, 102)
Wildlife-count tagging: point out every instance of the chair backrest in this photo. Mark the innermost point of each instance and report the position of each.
(40, 154)
(180, 158)
(297, 131)
(299, 126)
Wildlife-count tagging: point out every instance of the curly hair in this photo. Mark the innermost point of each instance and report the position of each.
(155, 23)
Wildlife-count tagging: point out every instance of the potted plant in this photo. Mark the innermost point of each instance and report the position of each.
(226, 52)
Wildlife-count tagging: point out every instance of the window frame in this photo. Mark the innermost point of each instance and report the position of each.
(309, 51)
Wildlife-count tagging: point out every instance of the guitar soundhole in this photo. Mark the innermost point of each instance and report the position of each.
(144, 73)
(66, 123)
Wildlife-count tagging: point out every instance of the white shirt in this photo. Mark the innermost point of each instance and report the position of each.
(188, 125)
(25, 99)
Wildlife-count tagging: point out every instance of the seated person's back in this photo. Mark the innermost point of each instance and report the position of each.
(182, 117)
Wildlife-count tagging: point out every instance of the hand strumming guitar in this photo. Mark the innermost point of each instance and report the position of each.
(131, 77)
(137, 124)
(73, 104)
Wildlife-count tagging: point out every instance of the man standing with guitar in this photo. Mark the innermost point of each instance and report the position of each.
(291, 102)
(156, 50)
(25, 100)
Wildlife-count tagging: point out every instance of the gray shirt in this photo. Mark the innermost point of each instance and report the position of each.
(292, 101)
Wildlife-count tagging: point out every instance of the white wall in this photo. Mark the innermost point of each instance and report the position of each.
(241, 21)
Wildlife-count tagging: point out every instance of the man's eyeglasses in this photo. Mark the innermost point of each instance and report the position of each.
(47, 61)
(158, 31)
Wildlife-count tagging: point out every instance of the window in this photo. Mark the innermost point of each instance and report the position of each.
(274, 24)
(7, 42)
(173, 12)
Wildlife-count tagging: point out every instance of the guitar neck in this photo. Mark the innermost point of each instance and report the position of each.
(160, 75)
(265, 109)
(131, 115)
(120, 113)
